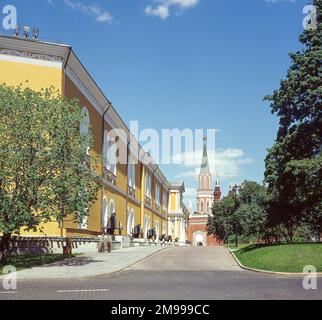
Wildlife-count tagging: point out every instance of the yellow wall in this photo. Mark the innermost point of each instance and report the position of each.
(38, 77)
(173, 201)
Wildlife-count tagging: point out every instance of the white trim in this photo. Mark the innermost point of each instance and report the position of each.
(31, 61)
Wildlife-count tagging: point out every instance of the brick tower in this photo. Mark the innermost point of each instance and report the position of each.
(217, 192)
(197, 227)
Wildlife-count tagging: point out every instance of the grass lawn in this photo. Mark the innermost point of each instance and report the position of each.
(28, 261)
(281, 258)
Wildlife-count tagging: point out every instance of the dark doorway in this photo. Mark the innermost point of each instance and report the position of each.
(200, 244)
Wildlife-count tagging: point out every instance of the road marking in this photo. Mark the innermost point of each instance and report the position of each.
(8, 292)
(72, 291)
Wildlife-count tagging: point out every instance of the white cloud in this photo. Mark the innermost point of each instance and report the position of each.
(224, 163)
(100, 14)
(160, 11)
(190, 193)
(163, 7)
(190, 196)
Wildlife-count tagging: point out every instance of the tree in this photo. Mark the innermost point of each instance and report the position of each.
(241, 215)
(293, 164)
(41, 156)
(220, 224)
(252, 210)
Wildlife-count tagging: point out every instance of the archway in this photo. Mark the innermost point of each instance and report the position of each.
(199, 238)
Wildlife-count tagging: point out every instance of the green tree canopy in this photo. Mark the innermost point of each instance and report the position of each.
(293, 164)
(42, 170)
(243, 215)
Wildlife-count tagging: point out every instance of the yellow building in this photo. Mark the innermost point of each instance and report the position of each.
(138, 194)
(178, 214)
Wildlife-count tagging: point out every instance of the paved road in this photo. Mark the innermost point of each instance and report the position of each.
(172, 274)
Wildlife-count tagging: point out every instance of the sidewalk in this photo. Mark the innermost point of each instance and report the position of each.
(89, 265)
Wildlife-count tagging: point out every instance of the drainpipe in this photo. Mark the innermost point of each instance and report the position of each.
(103, 117)
(63, 91)
(153, 220)
(127, 180)
(162, 205)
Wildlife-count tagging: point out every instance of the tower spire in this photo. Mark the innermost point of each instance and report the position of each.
(205, 163)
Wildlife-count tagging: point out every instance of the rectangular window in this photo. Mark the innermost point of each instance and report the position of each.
(164, 200)
(157, 193)
(131, 173)
(148, 185)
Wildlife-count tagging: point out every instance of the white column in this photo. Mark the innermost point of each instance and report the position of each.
(175, 228)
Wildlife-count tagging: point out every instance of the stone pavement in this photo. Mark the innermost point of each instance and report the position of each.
(191, 259)
(90, 265)
(177, 273)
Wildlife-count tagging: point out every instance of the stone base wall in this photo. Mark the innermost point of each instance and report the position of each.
(51, 245)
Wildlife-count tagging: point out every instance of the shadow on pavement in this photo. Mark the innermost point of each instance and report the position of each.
(73, 262)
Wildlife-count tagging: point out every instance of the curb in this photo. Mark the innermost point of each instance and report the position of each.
(267, 271)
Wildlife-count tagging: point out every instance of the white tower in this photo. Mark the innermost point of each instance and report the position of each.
(205, 194)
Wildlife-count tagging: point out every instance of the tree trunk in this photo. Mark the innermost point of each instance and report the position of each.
(290, 234)
(4, 249)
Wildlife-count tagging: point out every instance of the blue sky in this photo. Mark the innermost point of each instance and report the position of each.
(184, 64)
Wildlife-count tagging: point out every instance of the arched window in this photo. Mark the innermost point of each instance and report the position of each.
(130, 221)
(157, 229)
(84, 222)
(85, 125)
(111, 211)
(133, 219)
(105, 213)
(201, 206)
(109, 153)
(146, 225)
(164, 228)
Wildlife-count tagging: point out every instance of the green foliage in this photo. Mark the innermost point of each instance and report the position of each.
(243, 215)
(293, 164)
(42, 171)
(221, 224)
